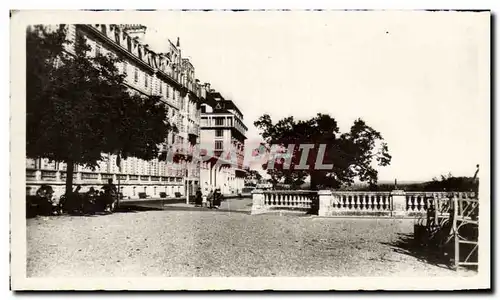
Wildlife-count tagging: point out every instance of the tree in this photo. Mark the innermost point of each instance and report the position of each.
(79, 108)
(352, 154)
(253, 174)
(451, 183)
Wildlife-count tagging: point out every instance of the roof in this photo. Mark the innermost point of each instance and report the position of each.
(227, 104)
(230, 105)
(213, 95)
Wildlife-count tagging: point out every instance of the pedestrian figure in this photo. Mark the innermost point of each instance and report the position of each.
(45, 191)
(205, 192)
(210, 199)
(217, 198)
(198, 199)
(109, 196)
(91, 191)
(45, 197)
(110, 188)
(77, 189)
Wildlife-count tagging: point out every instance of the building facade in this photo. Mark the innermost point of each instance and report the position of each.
(223, 134)
(162, 72)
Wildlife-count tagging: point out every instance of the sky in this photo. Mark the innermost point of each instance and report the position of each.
(419, 78)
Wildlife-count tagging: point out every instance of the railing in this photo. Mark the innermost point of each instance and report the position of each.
(299, 199)
(38, 177)
(441, 201)
(379, 201)
(49, 175)
(30, 175)
(357, 203)
(418, 201)
(106, 176)
(451, 225)
(87, 176)
(275, 200)
(63, 175)
(466, 230)
(467, 206)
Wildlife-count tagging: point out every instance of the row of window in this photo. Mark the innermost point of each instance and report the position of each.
(139, 50)
(148, 79)
(162, 86)
(219, 145)
(217, 121)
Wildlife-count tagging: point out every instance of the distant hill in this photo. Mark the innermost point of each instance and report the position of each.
(401, 181)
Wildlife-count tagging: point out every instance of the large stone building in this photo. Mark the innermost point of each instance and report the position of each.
(162, 72)
(224, 133)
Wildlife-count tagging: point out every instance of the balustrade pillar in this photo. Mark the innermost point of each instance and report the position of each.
(325, 202)
(398, 207)
(258, 202)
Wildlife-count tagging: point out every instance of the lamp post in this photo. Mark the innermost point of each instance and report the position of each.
(187, 184)
(118, 162)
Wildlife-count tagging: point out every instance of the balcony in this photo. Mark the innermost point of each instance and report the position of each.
(223, 121)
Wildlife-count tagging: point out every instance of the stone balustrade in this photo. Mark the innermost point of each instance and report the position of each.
(420, 202)
(340, 203)
(396, 203)
(264, 201)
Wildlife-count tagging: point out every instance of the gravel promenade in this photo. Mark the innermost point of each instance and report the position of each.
(184, 241)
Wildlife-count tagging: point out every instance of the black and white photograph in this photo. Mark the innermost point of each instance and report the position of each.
(250, 150)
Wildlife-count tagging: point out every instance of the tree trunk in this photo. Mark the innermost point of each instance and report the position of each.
(70, 167)
(314, 181)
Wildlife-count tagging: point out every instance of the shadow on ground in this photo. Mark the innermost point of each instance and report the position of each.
(151, 206)
(139, 208)
(407, 245)
(135, 209)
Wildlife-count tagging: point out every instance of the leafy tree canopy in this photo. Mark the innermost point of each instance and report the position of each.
(352, 153)
(253, 174)
(79, 107)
